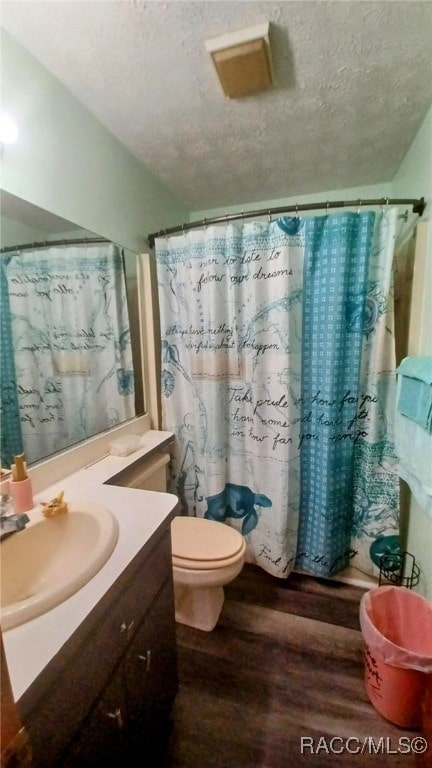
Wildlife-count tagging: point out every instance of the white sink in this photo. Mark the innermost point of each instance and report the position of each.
(52, 559)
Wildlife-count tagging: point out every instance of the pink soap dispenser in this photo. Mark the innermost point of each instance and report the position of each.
(20, 486)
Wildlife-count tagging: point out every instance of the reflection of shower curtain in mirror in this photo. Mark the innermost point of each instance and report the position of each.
(70, 334)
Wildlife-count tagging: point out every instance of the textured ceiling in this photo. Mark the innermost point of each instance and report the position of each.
(354, 82)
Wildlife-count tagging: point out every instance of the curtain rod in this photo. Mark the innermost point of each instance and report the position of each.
(418, 207)
(48, 243)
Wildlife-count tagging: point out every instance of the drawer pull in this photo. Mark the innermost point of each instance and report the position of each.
(127, 629)
(118, 717)
(147, 659)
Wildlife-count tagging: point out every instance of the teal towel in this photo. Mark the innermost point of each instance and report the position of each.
(415, 397)
(419, 367)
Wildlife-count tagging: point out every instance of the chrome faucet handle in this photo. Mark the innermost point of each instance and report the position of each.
(12, 524)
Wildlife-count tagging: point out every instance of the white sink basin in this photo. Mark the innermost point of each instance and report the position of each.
(53, 558)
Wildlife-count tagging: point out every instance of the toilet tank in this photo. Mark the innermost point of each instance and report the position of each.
(149, 475)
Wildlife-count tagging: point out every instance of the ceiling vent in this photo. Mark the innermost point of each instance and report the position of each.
(243, 61)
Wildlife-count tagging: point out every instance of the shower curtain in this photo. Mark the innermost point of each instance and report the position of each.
(278, 382)
(67, 368)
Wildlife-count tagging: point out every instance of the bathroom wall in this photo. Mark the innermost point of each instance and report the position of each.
(14, 232)
(66, 162)
(370, 192)
(414, 178)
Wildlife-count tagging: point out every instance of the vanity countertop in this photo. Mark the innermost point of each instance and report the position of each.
(108, 467)
(31, 646)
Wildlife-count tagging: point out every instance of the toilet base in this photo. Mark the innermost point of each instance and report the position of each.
(198, 607)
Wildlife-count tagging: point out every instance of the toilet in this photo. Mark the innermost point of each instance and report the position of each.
(206, 554)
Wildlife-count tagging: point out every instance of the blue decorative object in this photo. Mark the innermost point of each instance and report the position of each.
(386, 545)
(290, 225)
(125, 381)
(167, 383)
(236, 501)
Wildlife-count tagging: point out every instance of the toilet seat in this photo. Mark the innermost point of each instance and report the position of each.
(200, 544)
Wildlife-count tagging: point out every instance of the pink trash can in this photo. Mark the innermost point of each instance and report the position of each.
(397, 629)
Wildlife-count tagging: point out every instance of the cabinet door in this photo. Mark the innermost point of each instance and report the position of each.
(151, 670)
(103, 740)
(60, 704)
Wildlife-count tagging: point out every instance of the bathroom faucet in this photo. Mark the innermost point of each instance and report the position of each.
(12, 523)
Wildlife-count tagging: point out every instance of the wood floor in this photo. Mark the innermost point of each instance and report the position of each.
(284, 662)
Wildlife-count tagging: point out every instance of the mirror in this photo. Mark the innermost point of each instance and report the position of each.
(71, 354)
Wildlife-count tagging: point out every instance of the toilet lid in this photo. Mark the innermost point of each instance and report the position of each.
(196, 539)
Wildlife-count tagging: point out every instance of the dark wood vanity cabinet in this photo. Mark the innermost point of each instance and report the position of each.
(131, 715)
(107, 695)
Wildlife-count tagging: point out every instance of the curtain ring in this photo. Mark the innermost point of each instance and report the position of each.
(359, 206)
(269, 216)
(226, 217)
(387, 201)
(296, 211)
(242, 215)
(327, 205)
(205, 223)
